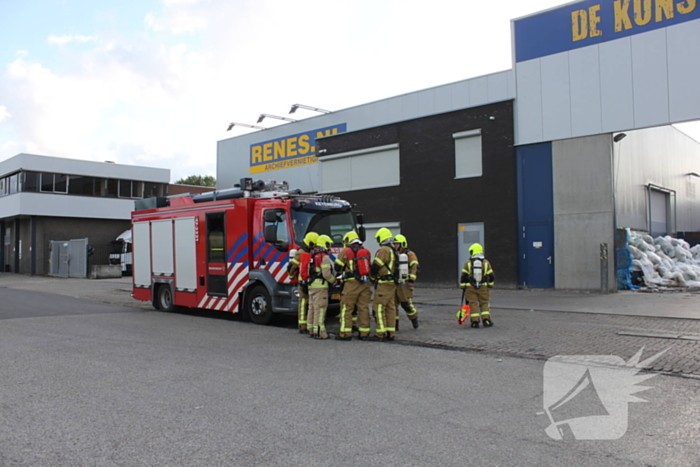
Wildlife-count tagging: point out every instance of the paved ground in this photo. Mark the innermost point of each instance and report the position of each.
(528, 324)
(92, 384)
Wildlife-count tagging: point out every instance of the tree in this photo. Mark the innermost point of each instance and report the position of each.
(198, 180)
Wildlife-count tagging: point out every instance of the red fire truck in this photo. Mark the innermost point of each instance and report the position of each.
(228, 250)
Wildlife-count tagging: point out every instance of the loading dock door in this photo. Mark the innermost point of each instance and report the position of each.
(658, 204)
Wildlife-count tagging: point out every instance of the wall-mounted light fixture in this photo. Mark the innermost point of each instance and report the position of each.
(693, 174)
(232, 124)
(619, 137)
(302, 106)
(262, 117)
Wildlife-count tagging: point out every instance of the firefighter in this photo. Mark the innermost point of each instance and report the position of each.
(308, 244)
(353, 264)
(384, 276)
(404, 289)
(322, 268)
(477, 279)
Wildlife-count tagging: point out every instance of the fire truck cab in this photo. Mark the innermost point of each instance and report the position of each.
(228, 250)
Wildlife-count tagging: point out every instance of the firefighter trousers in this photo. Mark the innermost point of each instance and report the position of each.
(404, 298)
(479, 303)
(384, 308)
(303, 308)
(318, 306)
(355, 294)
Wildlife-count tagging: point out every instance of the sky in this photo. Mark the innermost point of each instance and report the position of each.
(156, 82)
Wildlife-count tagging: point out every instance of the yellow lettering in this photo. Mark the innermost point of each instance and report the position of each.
(292, 147)
(579, 25)
(664, 8)
(279, 150)
(686, 7)
(267, 151)
(622, 15)
(304, 144)
(642, 12)
(257, 154)
(594, 19)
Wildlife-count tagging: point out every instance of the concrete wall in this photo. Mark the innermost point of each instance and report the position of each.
(583, 211)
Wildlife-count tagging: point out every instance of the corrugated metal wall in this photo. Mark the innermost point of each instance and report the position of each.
(663, 157)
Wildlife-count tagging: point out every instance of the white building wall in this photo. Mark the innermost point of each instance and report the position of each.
(640, 81)
(62, 165)
(233, 154)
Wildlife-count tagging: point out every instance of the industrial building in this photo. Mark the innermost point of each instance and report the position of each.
(44, 199)
(542, 163)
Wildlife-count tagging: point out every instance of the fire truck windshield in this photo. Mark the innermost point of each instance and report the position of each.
(335, 224)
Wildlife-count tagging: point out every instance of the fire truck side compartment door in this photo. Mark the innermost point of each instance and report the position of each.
(185, 256)
(142, 254)
(162, 247)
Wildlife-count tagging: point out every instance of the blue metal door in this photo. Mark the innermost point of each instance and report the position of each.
(539, 255)
(535, 216)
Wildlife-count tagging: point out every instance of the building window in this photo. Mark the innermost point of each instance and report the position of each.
(153, 189)
(60, 183)
(46, 182)
(12, 182)
(78, 185)
(360, 170)
(130, 189)
(468, 154)
(112, 188)
(53, 183)
(30, 182)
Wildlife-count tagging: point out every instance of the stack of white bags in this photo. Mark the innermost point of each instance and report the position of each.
(665, 261)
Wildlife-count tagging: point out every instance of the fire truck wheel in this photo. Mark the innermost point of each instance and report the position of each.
(165, 299)
(259, 305)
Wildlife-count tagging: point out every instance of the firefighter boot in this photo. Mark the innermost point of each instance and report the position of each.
(414, 322)
(487, 323)
(341, 338)
(475, 324)
(397, 324)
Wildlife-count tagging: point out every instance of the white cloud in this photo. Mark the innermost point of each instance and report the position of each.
(63, 40)
(164, 96)
(4, 114)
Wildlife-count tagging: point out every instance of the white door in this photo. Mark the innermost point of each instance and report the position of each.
(467, 235)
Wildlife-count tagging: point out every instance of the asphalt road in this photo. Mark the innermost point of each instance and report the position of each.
(93, 384)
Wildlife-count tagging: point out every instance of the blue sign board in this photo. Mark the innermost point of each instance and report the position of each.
(592, 22)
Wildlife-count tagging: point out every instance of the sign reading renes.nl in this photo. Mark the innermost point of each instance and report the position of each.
(289, 151)
(592, 22)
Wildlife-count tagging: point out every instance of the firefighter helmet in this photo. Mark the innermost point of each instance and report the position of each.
(310, 239)
(383, 235)
(349, 237)
(324, 241)
(401, 240)
(476, 249)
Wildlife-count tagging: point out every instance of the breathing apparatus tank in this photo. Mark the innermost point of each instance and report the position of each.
(403, 268)
(477, 271)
